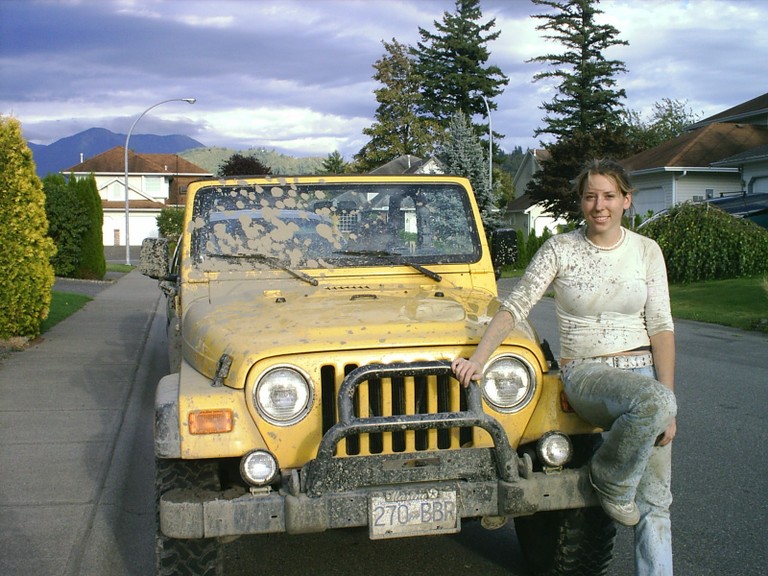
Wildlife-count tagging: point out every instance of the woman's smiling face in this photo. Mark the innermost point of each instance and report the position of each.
(603, 205)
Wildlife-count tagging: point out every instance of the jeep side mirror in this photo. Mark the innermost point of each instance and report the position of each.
(155, 258)
(503, 248)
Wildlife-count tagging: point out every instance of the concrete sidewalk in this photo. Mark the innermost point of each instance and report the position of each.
(63, 403)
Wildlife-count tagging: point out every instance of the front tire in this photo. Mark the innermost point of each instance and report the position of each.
(567, 542)
(181, 557)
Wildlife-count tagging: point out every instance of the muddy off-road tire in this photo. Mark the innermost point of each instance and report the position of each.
(178, 557)
(567, 542)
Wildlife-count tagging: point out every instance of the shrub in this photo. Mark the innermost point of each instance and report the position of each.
(92, 263)
(67, 222)
(527, 247)
(26, 274)
(170, 222)
(702, 242)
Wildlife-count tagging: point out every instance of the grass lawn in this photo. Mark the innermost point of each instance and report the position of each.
(741, 302)
(63, 304)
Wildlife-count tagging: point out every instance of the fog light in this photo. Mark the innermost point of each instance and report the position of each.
(258, 468)
(554, 449)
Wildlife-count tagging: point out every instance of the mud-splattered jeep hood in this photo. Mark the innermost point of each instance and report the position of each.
(255, 324)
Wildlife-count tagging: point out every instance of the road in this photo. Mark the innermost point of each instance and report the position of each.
(720, 471)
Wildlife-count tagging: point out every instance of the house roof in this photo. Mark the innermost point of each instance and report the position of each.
(405, 164)
(520, 204)
(113, 162)
(700, 148)
(759, 154)
(755, 109)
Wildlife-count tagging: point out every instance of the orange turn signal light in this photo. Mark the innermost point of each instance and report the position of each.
(565, 406)
(210, 421)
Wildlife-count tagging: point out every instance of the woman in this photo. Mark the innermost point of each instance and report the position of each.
(618, 354)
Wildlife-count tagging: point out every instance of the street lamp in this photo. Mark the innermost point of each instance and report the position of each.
(127, 139)
(490, 146)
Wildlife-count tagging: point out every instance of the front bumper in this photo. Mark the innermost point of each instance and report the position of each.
(335, 492)
(201, 514)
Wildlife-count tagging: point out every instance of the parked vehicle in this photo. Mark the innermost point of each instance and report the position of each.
(312, 321)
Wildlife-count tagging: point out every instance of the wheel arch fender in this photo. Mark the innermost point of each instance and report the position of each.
(167, 434)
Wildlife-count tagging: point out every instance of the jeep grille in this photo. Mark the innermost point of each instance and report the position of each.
(424, 394)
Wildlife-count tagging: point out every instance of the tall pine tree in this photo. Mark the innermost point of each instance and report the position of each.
(585, 116)
(452, 63)
(398, 129)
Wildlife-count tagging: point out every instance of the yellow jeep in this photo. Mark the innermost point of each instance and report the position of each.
(312, 321)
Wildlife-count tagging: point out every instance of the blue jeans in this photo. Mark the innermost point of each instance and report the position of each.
(633, 408)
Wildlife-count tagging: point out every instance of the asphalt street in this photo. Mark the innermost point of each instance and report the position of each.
(76, 462)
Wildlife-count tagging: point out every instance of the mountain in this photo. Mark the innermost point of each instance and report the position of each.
(67, 151)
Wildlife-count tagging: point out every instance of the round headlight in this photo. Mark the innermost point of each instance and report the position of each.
(283, 396)
(507, 384)
(258, 468)
(554, 449)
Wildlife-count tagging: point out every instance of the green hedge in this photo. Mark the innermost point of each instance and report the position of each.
(702, 242)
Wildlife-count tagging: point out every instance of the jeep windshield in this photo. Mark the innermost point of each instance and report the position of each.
(332, 225)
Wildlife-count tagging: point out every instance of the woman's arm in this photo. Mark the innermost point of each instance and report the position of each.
(465, 370)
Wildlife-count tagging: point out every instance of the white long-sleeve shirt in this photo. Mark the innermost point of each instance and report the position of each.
(607, 300)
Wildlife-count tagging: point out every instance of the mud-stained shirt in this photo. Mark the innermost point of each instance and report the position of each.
(607, 300)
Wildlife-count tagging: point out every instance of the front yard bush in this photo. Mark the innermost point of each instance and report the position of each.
(26, 274)
(701, 242)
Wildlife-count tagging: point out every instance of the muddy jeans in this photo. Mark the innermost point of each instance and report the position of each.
(633, 408)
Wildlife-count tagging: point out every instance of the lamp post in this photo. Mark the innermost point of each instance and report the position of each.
(490, 146)
(127, 139)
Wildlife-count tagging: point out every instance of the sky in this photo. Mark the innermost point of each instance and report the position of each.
(296, 75)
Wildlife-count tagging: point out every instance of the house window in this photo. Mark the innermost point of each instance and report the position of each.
(709, 193)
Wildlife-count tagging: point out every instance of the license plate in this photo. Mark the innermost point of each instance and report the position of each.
(399, 513)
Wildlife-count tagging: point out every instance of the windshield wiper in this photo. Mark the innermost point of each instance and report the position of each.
(272, 261)
(394, 258)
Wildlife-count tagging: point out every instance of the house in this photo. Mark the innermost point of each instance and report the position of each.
(522, 213)
(154, 182)
(720, 156)
(409, 164)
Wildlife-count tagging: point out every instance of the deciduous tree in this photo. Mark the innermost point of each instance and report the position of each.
(667, 121)
(398, 128)
(241, 165)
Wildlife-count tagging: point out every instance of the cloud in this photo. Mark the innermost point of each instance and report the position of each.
(296, 75)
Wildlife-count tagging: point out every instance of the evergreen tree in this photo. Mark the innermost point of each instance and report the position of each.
(67, 222)
(334, 164)
(452, 66)
(398, 129)
(551, 186)
(463, 155)
(587, 97)
(26, 274)
(240, 165)
(92, 264)
(586, 114)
